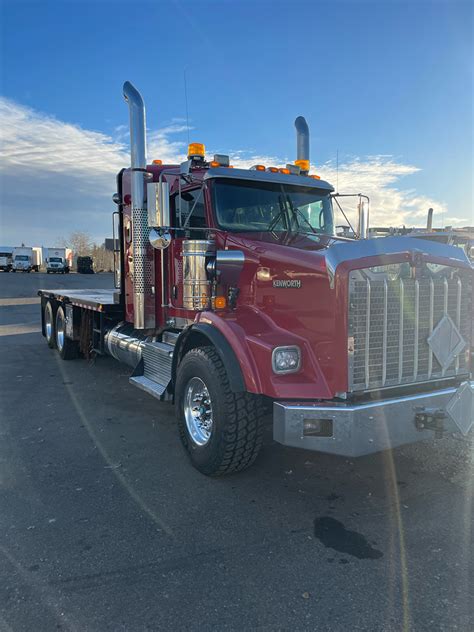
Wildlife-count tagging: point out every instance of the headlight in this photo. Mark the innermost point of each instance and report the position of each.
(286, 359)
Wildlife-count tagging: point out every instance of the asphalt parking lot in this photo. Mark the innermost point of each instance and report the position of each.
(104, 525)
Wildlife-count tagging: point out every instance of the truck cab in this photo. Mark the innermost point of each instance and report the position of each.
(22, 259)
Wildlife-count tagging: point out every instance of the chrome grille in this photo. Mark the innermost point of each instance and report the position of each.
(391, 317)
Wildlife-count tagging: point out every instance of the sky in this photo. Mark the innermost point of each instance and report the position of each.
(386, 87)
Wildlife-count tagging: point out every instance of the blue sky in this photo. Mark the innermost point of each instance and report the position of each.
(389, 84)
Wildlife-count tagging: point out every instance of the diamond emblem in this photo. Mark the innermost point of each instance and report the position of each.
(446, 341)
(461, 408)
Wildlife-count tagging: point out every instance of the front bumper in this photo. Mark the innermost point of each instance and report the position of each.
(357, 429)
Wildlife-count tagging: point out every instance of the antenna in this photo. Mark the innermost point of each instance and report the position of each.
(186, 99)
(337, 170)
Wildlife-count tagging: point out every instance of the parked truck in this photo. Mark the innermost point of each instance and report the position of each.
(56, 261)
(6, 258)
(22, 259)
(85, 265)
(235, 296)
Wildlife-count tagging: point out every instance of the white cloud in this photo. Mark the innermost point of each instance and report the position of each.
(57, 177)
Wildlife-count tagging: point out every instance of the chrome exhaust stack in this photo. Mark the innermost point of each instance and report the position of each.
(143, 276)
(302, 139)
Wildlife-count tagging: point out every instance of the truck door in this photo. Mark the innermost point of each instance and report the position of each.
(188, 211)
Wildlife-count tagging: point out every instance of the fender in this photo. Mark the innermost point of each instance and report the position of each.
(223, 348)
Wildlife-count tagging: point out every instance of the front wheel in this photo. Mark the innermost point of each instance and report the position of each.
(221, 430)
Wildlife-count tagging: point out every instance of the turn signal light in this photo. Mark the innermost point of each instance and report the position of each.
(302, 164)
(157, 162)
(283, 170)
(196, 150)
(220, 302)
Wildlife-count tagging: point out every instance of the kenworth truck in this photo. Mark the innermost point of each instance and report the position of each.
(234, 296)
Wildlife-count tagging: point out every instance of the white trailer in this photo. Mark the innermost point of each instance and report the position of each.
(22, 259)
(6, 259)
(37, 258)
(56, 260)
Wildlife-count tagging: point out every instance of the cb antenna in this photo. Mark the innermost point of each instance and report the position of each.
(337, 170)
(186, 99)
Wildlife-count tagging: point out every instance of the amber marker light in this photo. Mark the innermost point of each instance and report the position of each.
(157, 162)
(214, 163)
(315, 177)
(196, 150)
(284, 170)
(302, 164)
(273, 169)
(220, 302)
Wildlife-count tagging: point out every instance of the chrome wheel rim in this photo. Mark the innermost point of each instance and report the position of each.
(60, 329)
(48, 322)
(198, 411)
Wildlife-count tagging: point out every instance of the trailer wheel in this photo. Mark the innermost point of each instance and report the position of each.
(221, 430)
(49, 325)
(68, 349)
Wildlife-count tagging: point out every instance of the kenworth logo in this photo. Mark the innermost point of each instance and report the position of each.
(287, 283)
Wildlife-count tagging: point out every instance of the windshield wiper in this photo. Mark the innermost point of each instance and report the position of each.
(296, 211)
(277, 217)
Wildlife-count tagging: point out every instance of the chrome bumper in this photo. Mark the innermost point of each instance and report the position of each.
(358, 429)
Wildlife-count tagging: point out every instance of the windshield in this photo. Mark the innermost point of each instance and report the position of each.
(269, 206)
(21, 258)
(55, 259)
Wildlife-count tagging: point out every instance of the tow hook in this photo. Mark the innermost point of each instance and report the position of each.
(430, 419)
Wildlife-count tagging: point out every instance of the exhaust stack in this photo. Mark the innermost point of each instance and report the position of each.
(429, 221)
(143, 305)
(302, 140)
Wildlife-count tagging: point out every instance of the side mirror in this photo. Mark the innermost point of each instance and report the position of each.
(158, 202)
(159, 239)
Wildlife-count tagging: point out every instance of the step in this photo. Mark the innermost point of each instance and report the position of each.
(157, 360)
(149, 386)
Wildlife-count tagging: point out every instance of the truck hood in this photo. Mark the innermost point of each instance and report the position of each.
(295, 292)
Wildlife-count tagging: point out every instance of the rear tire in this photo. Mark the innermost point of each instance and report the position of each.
(68, 349)
(49, 331)
(221, 430)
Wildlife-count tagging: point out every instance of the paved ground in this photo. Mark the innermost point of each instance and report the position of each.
(104, 525)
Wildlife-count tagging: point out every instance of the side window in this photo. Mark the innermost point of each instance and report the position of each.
(193, 213)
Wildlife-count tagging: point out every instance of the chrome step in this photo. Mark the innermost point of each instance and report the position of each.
(149, 386)
(157, 358)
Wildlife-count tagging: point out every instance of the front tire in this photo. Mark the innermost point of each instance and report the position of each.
(68, 349)
(221, 430)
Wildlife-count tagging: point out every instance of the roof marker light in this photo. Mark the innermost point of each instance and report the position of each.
(214, 163)
(286, 171)
(273, 169)
(302, 164)
(157, 162)
(257, 168)
(315, 177)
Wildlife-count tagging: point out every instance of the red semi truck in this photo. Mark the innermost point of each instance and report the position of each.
(234, 296)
